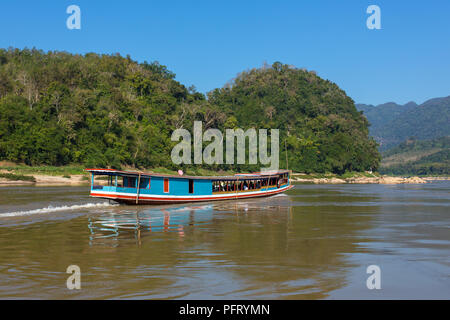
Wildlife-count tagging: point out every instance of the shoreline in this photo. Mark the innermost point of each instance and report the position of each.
(364, 178)
(41, 179)
(47, 180)
(370, 180)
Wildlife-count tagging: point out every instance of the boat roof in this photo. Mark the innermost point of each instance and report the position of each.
(151, 174)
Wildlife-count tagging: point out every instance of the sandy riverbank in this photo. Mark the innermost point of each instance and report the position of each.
(367, 180)
(53, 180)
(47, 180)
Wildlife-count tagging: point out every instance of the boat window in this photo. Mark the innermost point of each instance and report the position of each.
(240, 185)
(145, 183)
(129, 182)
(191, 186)
(166, 185)
(101, 180)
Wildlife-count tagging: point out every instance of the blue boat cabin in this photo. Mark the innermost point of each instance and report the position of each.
(148, 188)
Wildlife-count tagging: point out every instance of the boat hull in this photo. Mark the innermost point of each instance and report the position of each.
(146, 199)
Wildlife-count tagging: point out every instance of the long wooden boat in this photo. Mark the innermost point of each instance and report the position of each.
(133, 187)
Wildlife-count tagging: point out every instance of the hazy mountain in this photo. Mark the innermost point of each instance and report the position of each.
(392, 124)
(379, 115)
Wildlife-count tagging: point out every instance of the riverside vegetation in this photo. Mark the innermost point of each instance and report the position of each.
(422, 157)
(66, 110)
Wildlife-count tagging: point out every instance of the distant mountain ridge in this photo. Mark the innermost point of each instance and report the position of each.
(392, 123)
(379, 115)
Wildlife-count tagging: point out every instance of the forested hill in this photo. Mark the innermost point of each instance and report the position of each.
(58, 108)
(322, 128)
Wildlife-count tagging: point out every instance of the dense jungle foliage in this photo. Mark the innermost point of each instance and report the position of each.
(58, 108)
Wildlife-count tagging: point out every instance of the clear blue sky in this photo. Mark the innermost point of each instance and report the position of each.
(206, 43)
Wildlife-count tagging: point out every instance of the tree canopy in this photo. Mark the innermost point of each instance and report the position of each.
(318, 122)
(58, 108)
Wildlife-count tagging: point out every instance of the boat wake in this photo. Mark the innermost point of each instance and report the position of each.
(278, 195)
(51, 209)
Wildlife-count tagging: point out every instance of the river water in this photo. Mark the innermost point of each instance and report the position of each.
(314, 242)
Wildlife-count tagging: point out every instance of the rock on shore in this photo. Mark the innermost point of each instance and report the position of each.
(362, 180)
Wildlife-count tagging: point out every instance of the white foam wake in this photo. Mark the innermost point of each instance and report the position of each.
(279, 195)
(56, 209)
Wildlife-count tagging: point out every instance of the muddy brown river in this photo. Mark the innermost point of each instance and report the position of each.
(314, 242)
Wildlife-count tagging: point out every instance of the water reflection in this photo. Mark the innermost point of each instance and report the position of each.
(254, 248)
(124, 223)
(134, 222)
